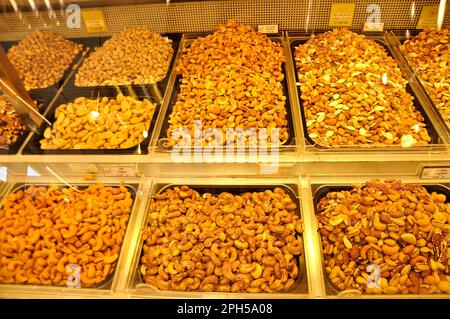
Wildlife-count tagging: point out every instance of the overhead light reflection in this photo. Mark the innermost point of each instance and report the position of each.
(441, 13)
(384, 79)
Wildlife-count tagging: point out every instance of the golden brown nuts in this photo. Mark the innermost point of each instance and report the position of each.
(406, 252)
(220, 249)
(46, 233)
(354, 93)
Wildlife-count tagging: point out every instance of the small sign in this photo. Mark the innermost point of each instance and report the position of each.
(373, 27)
(118, 171)
(94, 21)
(342, 14)
(436, 172)
(268, 28)
(428, 17)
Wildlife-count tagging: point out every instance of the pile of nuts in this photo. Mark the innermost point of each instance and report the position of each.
(45, 230)
(226, 243)
(133, 56)
(400, 229)
(353, 93)
(102, 123)
(11, 126)
(41, 58)
(429, 54)
(231, 79)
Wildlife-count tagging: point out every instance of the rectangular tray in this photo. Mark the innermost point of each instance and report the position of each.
(43, 99)
(301, 284)
(94, 42)
(320, 191)
(54, 88)
(106, 283)
(162, 138)
(69, 95)
(298, 40)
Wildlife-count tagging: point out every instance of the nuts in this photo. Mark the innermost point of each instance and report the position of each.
(102, 123)
(231, 258)
(230, 79)
(11, 126)
(42, 57)
(133, 56)
(60, 236)
(429, 54)
(412, 255)
(353, 93)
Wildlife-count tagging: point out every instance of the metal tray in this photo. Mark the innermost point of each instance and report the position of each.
(68, 95)
(320, 191)
(162, 139)
(299, 40)
(43, 99)
(161, 86)
(54, 88)
(106, 283)
(300, 285)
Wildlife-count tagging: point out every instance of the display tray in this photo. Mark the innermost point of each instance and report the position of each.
(295, 41)
(69, 95)
(52, 89)
(401, 37)
(320, 191)
(43, 99)
(163, 139)
(300, 285)
(106, 283)
(160, 86)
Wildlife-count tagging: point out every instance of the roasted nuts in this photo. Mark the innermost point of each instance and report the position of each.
(233, 243)
(400, 229)
(133, 56)
(11, 126)
(102, 123)
(42, 57)
(429, 54)
(353, 93)
(230, 79)
(44, 230)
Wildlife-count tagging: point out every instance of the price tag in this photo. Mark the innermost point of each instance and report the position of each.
(373, 26)
(268, 28)
(436, 172)
(94, 21)
(428, 17)
(119, 171)
(342, 14)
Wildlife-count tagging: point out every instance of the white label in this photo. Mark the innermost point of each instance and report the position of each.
(118, 171)
(374, 26)
(268, 28)
(441, 172)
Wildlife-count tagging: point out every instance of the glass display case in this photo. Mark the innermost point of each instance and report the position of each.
(224, 149)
